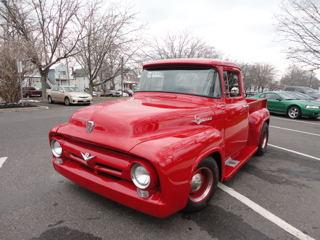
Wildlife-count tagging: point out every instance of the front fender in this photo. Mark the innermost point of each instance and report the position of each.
(175, 157)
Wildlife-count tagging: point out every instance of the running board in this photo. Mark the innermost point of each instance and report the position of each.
(230, 162)
(232, 166)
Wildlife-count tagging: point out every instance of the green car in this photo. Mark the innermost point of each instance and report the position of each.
(286, 103)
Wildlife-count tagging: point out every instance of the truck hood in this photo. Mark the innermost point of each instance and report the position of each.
(124, 123)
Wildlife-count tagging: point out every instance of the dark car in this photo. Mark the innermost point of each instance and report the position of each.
(306, 90)
(251, 93)
(31, 92)
(94, 94)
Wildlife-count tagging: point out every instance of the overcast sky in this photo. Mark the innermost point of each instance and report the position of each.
(241, 29)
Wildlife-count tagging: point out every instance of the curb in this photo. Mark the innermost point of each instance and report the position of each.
(24, 109)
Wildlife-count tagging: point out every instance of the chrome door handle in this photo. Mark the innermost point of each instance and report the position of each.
(246, 106)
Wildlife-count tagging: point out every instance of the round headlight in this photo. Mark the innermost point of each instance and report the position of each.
(56, 148)
(140, 176)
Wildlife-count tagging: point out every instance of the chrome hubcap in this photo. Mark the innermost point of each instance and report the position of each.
(196, 182)
(201, 185)
(293, 112)
(264, 139)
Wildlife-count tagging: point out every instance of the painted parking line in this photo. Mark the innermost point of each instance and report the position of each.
(2, 160)
(293, 130)
(265, 213)
(298, 121)
(292, 151)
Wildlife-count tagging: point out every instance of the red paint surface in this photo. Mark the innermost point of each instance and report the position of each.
(156, 130)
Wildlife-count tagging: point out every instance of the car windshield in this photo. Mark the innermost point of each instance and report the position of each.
(310, 90)
(205, 82)
(288, 96)
(302, 96)
(72, 89)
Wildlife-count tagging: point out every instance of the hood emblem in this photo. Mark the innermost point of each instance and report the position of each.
(90, 125)
(87, 157)
(199, 120)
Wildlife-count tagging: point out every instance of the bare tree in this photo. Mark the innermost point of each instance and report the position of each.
(50, 30)
(11, 50)
(258, 76)
(298, 25)
(180, 45)
(110, 37)
(247, 75)
(296, 76)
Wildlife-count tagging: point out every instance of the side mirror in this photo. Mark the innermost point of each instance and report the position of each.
(279, 99)
(61, 91)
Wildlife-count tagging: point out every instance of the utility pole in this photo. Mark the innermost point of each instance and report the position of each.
(20, 71)
(122, 76)
(310, 78)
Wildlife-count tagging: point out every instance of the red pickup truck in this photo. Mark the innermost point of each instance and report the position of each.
(187, 127)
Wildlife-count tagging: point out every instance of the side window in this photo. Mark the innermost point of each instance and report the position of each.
(262, 95)
(60, 88)
(55, 89)
(272, 96)
(289, 88)
(300, 90)
(231, 82)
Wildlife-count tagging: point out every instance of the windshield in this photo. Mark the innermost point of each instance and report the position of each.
(288, 96)
(310, 90)
(205, 82)
(302, 96)
(72, 89)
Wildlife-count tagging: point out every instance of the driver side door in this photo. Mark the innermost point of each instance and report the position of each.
(276, 103)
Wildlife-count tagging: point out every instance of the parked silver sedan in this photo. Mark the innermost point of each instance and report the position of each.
(68, 95)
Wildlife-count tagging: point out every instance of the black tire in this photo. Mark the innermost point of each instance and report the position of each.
(66, 101)
(263, 140)
(50, 99)
(294, 112)
(203, 185)
(27, 96)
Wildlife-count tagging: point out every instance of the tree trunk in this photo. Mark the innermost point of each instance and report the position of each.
(44, 76)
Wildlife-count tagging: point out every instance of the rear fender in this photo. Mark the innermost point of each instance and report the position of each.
(256, 120)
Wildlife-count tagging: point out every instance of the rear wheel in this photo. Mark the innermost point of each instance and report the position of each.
(27, 96)
(67, 101)
(294, 112)
(263, 140)
(203, 185)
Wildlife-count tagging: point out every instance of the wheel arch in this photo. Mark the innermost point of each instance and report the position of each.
(216, 154)
(293, 105)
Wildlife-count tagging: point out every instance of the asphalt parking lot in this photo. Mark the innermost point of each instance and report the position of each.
(276, 196)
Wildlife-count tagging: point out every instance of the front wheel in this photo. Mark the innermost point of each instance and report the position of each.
(263, 140)
(50, 100)
(203, 185)
(67, 101)
(294, 112)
